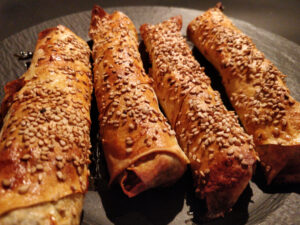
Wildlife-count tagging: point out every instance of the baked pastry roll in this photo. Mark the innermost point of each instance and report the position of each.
(140, 148)
(257, 91)
(220, 152)
(45, 136)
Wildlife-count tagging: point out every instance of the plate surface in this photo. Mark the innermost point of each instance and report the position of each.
(174, 205)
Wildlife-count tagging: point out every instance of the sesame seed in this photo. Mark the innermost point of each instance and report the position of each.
(44, 157)
(194, 157)
(230, 151)
(206, 171)
(129, 141)
(79, 170)
(131, 126)
(33, 169)
(40, 142)
(8, 144)
(62, 142)
(30, 118)
(26, 157)
(23, 189)
(39, 167)
(211, 150)
(172, 132)
(56, 118)
(60, 176)
(60, 165)
(202, 173)
(45, 148)
(153, 119)
(40, 177)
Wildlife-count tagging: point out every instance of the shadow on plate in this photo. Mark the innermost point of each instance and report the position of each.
(161, 205)
(238, 216)
(156, 206)
(260, 181)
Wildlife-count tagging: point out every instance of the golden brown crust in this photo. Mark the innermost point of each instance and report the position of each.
(221, 154)
(44, 148)
(256, 90)
(132, 128)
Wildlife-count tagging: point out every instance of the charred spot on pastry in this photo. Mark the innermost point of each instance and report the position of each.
(42, 110)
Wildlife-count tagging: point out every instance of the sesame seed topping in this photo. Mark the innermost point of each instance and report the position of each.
(265, 105)
(60, 176)
(230, 151)
(59, 158)
(23, 189)
(60, 165)
(8, 144)
(202, 173)
(79, 170)
(129, 141)
(131, 126)
(26, 157)
(204, 127)
(41, 143)
(40, 177)
(62, 143)
(39, 167)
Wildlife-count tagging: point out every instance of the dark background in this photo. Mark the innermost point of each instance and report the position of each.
(281, 17)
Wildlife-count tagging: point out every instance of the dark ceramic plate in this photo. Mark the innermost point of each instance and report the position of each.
(173, 205)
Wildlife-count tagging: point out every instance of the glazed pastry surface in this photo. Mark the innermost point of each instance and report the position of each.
(45, 134)
(257, 91)
(221, 153)
(140, 147)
